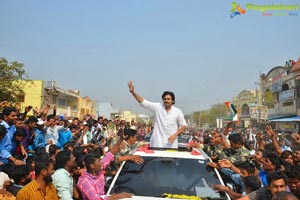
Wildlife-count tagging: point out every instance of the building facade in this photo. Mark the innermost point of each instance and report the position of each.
(69, 103)
(281, 88)
(251, 110)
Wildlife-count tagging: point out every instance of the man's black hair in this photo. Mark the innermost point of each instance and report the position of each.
(8, 168)
(6, 111)
(19, 172)
(98, 152)
(236, 138)
(129, 132)
(249, 167)
(20, 132)
(62, 158)
(69, 144)
(88, 160)
(50, 117)
(41, 162)
(52, 149)
(274, 159)
(252, 182)
(31, 119)
(284, 195)
(274, 176)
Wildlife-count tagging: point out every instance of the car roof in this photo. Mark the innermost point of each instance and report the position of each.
(169, 153)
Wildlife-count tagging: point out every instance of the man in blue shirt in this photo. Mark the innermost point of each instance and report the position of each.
(9, 118)
(39, 139)
(64, 135)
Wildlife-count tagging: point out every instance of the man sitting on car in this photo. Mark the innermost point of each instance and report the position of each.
(130, 145)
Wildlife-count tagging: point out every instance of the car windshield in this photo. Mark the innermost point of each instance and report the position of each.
(158, 177)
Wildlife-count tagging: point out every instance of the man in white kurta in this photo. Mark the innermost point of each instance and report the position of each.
(169, 120)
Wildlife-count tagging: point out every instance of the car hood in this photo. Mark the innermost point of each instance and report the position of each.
(153, 198)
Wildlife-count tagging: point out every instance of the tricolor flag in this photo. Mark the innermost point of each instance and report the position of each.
(234, 113)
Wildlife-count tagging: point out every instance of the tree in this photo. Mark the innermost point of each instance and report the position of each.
(10, 78)
(209, 116)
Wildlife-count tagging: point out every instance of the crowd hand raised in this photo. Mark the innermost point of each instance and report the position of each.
(225, 163)
(270, 131)
(259, 136)
(18, 106)
(28, 108)
(46, 109)
(296, 137)
(36, 111)
(5, 104)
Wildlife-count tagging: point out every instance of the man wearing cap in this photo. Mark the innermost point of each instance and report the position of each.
(39, 139)
(169, 120)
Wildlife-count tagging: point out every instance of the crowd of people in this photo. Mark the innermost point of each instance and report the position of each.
(255, 164)
(46, 156)
(49, 157)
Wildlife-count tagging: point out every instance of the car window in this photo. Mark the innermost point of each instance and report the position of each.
(182, 140)
(158, 176)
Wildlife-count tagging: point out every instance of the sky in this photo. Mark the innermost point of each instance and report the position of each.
(190, 47)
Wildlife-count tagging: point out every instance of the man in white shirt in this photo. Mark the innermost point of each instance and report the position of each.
(169, 120)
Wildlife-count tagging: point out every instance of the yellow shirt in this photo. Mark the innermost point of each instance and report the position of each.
(31, 191)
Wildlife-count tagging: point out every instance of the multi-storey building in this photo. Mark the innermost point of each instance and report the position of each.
(38, 93)
(281, 92)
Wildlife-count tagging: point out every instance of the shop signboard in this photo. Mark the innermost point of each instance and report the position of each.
(277, 83)
(286, 95)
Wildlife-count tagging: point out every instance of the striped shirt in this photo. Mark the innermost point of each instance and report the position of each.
(92, 187)
(33, 192)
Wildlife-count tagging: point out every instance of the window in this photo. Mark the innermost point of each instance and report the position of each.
(20, 98)
(287, 103)
(62, 102)
(285, 87)
(298, 88)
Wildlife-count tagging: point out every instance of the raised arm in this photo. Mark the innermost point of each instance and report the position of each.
(134, 94)
(273, 137)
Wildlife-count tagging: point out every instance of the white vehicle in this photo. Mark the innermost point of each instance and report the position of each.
(168, 174)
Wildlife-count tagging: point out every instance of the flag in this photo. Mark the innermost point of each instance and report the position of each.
(234, 113)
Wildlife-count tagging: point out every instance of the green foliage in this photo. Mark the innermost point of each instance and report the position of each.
(10, 76)
(210, 116)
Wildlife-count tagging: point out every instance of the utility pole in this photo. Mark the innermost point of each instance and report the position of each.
(199, 119)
